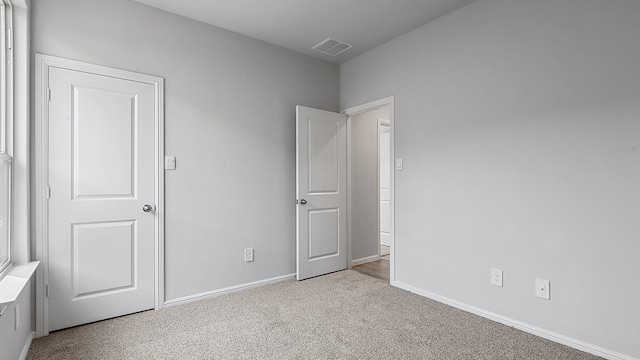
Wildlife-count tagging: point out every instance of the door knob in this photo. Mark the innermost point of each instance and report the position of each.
(303, 201)
(147, 208)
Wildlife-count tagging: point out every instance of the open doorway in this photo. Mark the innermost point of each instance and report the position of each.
(327, 143)
(369, 130)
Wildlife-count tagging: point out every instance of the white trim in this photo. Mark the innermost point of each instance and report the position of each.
(6, 131)
(543, 333)
(6, 73)
(27, 345)
(23, 4)
(355, 110)
(365, 259)
(378, 186)
(21, 184)
(43, 63)
(41, 173)
(159, 189)
(15, 281)
(7, 231)
(388, 101)
(349, 197)
(229, 290)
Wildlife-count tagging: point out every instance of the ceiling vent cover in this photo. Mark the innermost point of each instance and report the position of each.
(332, 47)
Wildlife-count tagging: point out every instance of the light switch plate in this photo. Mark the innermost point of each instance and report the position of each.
(170, 162)
(399, 164)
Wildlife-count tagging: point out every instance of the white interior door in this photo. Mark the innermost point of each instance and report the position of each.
(321, 184)
(101, 246)
(384, 156)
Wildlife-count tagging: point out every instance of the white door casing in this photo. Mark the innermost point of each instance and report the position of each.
(321, 184)
(100, 154)
(370, 106)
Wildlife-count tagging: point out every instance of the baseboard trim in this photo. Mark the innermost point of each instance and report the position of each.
(27, 345)
(228, 290)
(365, 260)
(543, 333)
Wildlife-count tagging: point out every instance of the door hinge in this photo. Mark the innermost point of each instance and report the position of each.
(46, 290)
(48, 94)
(48, 192)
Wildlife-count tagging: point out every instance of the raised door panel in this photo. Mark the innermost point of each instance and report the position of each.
(103, 120)
(104, 258)
(323, 156)
(324, 234)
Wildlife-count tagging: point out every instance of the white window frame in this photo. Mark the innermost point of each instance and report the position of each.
(6, 118)
(6, 222)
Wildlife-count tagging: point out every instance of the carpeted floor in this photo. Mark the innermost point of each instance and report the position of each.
(345, 315)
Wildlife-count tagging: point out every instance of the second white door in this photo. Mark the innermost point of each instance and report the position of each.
(102, 190)
(384, 158)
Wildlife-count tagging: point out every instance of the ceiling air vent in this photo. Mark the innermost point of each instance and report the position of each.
(332, 47)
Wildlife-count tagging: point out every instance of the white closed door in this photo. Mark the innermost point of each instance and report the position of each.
(101, 241)
(321, 188)
(384, 156)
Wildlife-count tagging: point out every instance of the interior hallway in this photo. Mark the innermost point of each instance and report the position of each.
(378, 269)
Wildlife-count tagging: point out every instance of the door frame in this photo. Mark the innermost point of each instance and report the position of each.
(355, 110)
(41, 211)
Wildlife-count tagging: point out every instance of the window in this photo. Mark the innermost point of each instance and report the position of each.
(5, 134)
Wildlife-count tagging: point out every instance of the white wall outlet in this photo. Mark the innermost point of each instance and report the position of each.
(248, 254)
(542, 289)
(169, 162)
(496, 277)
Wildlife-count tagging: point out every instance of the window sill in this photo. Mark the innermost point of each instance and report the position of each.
(17, 278)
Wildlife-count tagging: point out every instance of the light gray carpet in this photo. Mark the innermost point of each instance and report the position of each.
(345, 315)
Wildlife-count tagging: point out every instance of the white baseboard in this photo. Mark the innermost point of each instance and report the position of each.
(543, 333)
(365, 260)
(27, 345)
(228, 290)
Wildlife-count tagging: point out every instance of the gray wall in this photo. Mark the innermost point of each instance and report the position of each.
(229, 119)
(518, 124)
(364, 183)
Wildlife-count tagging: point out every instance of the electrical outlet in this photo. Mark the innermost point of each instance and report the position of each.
(542, 289)
(248, 254)
(496, 277)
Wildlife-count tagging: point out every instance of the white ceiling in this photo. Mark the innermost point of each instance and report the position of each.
(298, 25)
